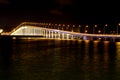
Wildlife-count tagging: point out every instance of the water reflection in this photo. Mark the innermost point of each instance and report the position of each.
(60, 60)
(5, 60)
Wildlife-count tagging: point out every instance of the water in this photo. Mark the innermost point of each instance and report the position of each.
(59, 60)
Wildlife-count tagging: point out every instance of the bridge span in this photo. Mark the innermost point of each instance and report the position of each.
(46, 31)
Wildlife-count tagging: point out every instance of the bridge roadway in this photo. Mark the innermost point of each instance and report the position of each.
(28, 30)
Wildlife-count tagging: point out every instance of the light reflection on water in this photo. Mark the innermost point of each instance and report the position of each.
(59, 60)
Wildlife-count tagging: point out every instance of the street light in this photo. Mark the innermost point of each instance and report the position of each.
(68, 27)
(86, 31)
(59, 26)
(79, 28)
(104, 28)
(63, 26)
(117, 28)
(94, 28)
(99, 31)
(73, 28)
(85, 28)
(1, 30)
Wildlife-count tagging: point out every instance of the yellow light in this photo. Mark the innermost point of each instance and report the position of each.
(1, 30)
(106, 25)
(106, 42)
(63, 24)
(95, 25)
(14, 38)
(118, 43)
(55, 24)
(96, 41)
(86, 31)
(87, 41)
(59, 25)
(68, 25)
(119, 24)
(73, 25)
(79, 25)
(86, 26)
(99, 31)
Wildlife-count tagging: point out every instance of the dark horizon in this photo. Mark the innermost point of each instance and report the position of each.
(57, 11)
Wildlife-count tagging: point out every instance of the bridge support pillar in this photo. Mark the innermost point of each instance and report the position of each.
(113, 39)
(40, 31)
(105, 39)
(72, 36)
(84, 38)
(67, 36)
(49, 34)
(46, 33)
(90, 38)
(55, 35)
(52, 34)
(59, 35)
(63, 36)
(87, 38)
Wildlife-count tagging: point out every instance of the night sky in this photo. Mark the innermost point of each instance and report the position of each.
(13, 12)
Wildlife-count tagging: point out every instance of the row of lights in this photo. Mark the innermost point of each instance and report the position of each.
(99, 31)
(117, 32)
(95, 26)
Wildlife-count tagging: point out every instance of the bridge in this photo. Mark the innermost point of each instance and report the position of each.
(50, 31)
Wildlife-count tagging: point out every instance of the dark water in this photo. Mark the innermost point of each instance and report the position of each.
(59, 60)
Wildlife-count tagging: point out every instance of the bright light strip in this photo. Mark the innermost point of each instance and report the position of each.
(64, 32)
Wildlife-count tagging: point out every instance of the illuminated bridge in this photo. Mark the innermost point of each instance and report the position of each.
(51, 31)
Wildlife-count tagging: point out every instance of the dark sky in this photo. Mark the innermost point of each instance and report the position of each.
(13, 12)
